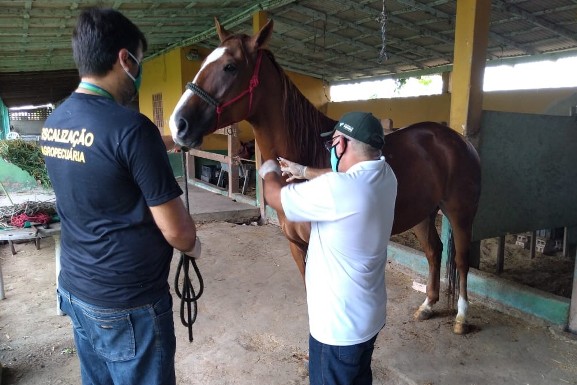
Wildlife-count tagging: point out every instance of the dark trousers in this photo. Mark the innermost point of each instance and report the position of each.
(340, 365)
(123, 346)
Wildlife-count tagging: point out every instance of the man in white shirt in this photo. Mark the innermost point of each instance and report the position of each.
(351, 212)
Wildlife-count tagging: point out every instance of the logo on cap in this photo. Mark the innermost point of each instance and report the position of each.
(346, 126)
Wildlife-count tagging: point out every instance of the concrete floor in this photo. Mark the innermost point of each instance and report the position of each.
(252, 322)
(252, 325)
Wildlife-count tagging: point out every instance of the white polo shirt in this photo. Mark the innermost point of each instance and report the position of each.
(351, 217)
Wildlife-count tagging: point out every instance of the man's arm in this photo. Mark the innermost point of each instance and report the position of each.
(270, 172)
(272, 186)
(176, 225)
(294, 170)
(312, 173)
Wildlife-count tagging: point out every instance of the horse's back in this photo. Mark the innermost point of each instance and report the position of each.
(433, 164)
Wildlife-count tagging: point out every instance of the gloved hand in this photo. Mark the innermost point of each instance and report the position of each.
(269, 166)
(292, 170)
(196, 250)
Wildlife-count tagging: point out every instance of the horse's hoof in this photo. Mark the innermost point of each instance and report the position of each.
(423, 314)
(460, 328)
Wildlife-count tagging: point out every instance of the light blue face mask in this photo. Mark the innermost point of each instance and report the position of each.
(138, 80)
(334, 159)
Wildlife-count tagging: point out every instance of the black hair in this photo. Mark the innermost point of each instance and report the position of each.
(98, 36)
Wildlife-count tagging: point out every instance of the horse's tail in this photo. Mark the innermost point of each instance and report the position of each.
(451, 270)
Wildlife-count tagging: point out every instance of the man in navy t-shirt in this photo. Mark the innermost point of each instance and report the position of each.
(120, 209)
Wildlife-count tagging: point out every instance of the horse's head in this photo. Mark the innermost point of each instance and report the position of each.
(222, 90)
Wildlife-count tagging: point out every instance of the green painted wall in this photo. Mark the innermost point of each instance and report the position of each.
(529, 173)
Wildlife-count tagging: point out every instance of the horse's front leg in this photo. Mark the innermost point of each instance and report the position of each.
(429, 239)
(299, 254)
(298, 235)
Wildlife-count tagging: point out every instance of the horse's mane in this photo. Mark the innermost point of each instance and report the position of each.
(304, 123)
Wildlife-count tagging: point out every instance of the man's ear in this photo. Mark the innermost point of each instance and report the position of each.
(123, 58)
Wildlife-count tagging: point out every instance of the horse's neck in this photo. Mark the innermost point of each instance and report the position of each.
(290, 126)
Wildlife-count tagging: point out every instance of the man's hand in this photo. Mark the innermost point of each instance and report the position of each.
(292, 170)
(196, 250)
(269, 166)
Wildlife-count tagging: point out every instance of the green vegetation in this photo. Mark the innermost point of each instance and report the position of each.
(28, 157)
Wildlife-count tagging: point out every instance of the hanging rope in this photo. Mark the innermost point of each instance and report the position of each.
(382, 19)
(187, 295)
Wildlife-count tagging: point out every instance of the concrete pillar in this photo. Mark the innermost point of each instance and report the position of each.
(259, 20)
(471, 37)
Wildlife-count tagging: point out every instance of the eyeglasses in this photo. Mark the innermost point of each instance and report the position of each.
(329, 143)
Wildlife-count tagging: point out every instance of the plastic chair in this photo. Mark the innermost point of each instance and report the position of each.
(12, 135)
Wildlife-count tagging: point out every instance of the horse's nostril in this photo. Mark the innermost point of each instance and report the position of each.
(182, 125)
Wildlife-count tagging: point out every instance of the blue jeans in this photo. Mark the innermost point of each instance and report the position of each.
(123, 346)
(340, 365)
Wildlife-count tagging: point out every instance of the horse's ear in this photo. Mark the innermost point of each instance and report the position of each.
(262, 38)
(222, 33)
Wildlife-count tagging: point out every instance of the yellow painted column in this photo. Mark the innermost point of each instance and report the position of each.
(259, 20)
(471, 36)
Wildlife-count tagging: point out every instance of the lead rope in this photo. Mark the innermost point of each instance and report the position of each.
(187, 296)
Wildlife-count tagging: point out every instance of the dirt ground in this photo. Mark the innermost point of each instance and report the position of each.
(252, 325)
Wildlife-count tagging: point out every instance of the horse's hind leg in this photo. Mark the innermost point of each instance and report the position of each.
(462, 230)
(429, 239)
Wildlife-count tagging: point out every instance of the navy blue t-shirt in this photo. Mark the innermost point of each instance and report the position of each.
(108, 165)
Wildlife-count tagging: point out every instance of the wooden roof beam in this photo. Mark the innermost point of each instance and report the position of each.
(445, 16)
(366, 31)
(518, 11)
(336, 57)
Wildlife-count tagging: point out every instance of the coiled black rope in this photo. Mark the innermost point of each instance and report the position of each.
(187, 295)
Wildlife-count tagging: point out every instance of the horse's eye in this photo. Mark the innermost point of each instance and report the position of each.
(230, 68)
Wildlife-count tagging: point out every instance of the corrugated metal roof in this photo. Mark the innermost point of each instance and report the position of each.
(336, 40)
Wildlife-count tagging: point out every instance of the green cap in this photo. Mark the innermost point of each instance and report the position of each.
(362, 126)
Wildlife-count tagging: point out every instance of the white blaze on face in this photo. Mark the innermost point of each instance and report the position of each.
(172, 121)
(214, 56)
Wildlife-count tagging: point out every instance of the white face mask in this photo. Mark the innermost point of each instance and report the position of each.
(138, 80)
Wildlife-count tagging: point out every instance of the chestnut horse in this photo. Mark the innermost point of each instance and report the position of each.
(436, 167)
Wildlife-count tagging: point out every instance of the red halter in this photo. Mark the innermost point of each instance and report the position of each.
(254, 82)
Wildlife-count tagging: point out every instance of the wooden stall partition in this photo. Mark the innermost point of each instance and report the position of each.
(228, 163)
